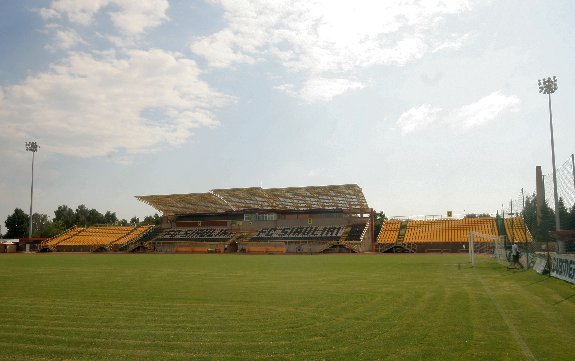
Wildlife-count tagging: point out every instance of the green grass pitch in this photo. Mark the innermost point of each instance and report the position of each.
(241, 307)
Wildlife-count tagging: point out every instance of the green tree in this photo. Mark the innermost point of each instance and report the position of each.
(571, 220)
(135, 221)
(65, 217)
(88, 217)
(51, 229)
(564, 214)
(81, 215)
(95, 217)
(155, 219)
(547, 223)
(539, 231)
(39, 221)
(17, 224)
(379, 219)
(110, 218)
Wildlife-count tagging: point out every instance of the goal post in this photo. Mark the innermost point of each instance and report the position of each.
(481, 243)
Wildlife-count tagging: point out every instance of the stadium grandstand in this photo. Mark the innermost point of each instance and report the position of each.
(96, 239)
(516, 230)
(448, 234)
(316, 219)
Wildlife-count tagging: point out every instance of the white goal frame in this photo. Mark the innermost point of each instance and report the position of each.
(486, 244)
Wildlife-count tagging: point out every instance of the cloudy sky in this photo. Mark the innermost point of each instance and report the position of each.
(429, 106)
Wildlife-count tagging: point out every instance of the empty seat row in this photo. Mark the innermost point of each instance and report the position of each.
(436, 230)
(517, 230)
(389, 231)
(448, 230)
(96, 236)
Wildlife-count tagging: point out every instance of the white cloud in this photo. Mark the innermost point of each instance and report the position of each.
(320, 89)
(67, 39)
(455, 42)
(48, 14)
(417, 118)
(130, 17)
(80, 12)
(94, 105)
(485, 110)
(463, 118)
(329, 39)
(135, 17)
(221, 50)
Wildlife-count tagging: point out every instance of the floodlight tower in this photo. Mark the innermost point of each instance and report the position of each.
(549, 86)
(31, 147)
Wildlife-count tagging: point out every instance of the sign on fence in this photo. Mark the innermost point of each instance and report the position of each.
(563, 267)
(540, 263)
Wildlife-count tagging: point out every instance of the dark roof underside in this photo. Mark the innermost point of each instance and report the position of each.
(347, 197)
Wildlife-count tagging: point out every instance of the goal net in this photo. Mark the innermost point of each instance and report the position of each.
(486, 244)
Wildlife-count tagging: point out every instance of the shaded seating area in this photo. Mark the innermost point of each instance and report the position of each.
(196, 234)
(295, 239)
(355, 232)
(309, 233)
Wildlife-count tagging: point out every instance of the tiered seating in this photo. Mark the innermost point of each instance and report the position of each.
(517, 230)
(92, 237)
(133, 235)
(355, 232)
(390, 231)
(311, 233)
(97, 236)
(151, 235)
(448, 230)
(196, 234)
(62, 236)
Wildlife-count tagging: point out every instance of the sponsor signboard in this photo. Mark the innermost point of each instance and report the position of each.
(540, 262)
(563, 267)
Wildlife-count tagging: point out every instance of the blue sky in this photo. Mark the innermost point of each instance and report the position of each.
(429, 106)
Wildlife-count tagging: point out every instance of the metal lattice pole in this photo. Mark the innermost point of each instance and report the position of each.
(573, 169)
(549, 86)
(31, 147)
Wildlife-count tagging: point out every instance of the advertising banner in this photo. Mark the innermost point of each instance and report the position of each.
(563, 267)
(540, 262)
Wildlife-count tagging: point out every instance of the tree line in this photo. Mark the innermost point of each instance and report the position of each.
(540, 232)
(18, 223)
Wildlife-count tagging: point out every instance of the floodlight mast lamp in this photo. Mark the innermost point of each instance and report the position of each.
(549, 86)
(31, 147)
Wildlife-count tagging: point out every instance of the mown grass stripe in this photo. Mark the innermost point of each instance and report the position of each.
(514, 332)
(273, 307)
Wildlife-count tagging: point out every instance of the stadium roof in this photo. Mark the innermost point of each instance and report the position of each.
(347, 197)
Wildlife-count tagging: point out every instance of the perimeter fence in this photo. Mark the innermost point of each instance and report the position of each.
(524, 205)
